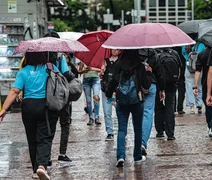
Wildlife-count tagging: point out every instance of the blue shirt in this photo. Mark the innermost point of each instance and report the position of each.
(200, 47)
(33, 81)
(64, 65)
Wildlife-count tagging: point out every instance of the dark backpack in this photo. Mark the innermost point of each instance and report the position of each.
(170, 65)
(108, 74)
(57, 89)
(192, 59)
(126, 93)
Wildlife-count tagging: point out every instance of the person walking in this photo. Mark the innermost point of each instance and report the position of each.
(201, 66)
(64, 117)
(32, 80)
(106, 75)
(91, 81)
(164, 109)
(155, 73)
(128, 82)
(191, 100)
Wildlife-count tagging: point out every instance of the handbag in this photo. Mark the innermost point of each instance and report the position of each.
(75, 89)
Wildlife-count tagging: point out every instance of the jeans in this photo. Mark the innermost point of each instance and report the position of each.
(107, 109)
(90, 84)
(164, 113)
(123, 113)
(208, 109)
(191, 100)
(149, 105)
(39, 141)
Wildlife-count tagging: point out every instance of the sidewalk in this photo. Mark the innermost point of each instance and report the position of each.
(188, 157)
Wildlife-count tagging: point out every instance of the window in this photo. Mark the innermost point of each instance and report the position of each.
(162, 3)
(181, 2)
(171, 2)
(152, 3)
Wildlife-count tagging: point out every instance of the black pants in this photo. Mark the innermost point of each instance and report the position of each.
(65, 128)
(164, 113)
(40, 143)
(181, 95)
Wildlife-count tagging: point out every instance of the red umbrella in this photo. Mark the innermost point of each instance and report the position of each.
(147, 35)
(93, 41)
(49, 44)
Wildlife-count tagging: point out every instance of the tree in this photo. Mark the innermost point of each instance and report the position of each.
(202, 9)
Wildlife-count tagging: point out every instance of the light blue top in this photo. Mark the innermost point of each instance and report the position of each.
(33, 81)
(200, 47)
(64, 65)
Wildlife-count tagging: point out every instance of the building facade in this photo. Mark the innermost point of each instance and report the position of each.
(167, 11)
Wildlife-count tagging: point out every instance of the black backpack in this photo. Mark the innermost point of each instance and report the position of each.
(108, 73)
(170, 65)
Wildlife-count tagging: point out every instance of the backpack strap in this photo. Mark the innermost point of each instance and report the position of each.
(50, 66)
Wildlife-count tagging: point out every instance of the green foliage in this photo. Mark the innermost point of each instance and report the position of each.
(202, 9)
(61, 26)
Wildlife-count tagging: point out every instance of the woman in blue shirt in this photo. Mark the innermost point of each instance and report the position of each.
(191, 100)
(31, 79)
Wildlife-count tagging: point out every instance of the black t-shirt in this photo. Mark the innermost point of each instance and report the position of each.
(202, 64)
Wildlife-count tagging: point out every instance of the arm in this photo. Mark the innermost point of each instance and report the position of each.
(93, 69)
(9, 100)
(209, 87)
(81, 68)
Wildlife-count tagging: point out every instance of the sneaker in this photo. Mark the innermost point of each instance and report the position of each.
(110, 137)
(64, 160)
(97, 121)
(192, 110)
(199, 110)
(49, 165)
(35, 176)
(171, 138)
(210, 132)
(181, 112)
(144, 151)
(90, 122)
(141, 160)
(160, 135)
(120, 163)
(42, 174)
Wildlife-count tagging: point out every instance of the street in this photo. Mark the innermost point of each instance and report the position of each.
(188, 157)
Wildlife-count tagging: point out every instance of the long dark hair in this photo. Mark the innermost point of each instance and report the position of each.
(52, 56)
(34, 59)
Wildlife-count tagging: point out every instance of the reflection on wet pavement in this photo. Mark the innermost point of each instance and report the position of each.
(188, 157)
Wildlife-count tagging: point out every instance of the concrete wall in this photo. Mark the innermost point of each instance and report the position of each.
(33, 15)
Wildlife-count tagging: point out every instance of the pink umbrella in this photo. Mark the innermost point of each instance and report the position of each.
(49, 44)
(147, 35)
(93, 41)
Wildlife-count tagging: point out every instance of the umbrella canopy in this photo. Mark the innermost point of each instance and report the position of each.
(70, 35)
(205, 32)
(190, 27)
(93, 41)
(49, 44)
(147, 35)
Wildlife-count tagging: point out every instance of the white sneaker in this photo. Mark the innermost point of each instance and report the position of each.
(35, 176)
(120, 163)
(42, 174)
(140, 161)
(210, 132)
(144, 151)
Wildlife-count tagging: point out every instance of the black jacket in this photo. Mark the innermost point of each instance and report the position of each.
(157, 75)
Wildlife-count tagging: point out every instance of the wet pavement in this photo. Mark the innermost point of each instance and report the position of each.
(188, 157)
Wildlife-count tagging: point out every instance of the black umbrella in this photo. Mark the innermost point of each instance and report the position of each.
(190, 27)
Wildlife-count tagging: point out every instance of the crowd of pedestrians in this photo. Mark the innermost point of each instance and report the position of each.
(132, 81)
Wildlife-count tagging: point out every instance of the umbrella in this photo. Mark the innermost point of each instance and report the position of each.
(147, 35)
(49, 44)
(93, 41)
(205, 32)
(190, 27)
(70, 35)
